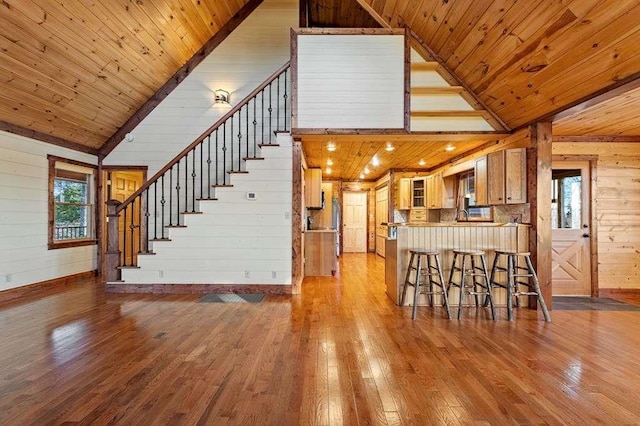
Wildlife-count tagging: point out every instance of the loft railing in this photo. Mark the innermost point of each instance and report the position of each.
(195, 172)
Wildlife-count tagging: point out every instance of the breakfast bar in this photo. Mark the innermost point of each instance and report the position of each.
(446, 236)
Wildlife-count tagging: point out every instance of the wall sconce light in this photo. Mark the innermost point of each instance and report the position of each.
(222, 97)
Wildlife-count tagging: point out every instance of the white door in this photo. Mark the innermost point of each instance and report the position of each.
(570, 234)
(382, 216)
(355, 222)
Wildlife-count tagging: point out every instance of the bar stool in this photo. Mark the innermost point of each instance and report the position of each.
(428, 276)
(513, 282)
(479, 284)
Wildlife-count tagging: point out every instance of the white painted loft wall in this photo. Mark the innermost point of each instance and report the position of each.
(258, 47)
(24, 185)
(351, 81)
(235, 241)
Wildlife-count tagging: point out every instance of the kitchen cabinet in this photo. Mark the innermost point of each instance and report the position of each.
(495, 165)
(481, 181)
(507, 176)
(313, 188)
(515, 175)
(435, 185)
(418, 193)
(403, 194)
(418, 214)
(320, 253)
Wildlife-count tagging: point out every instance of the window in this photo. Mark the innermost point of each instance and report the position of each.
(566, 202)
(71, 203)
(467, 199)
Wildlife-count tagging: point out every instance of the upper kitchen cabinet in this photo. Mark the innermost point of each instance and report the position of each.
(403, 194)
(434, 191)
(418, 193)
(481, 180)
(507, 176)
(313, 188)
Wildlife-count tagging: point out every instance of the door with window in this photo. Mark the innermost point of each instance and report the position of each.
(570, 213)
(355, 222)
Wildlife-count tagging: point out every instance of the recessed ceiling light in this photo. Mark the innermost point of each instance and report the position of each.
(329, 162)
(361, 175)
(422, 162)
(328, 170)
(449, 148)
(331, 146)
(366, 170)
(374, 161)
(389, 147)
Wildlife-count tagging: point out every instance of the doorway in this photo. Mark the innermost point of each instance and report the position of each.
(355, 222)
(571, 228)
(382, 216)
(121, 182)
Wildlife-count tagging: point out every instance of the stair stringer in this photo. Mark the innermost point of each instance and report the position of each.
(235, 240)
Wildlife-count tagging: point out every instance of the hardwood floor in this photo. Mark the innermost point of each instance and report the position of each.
(339, 353)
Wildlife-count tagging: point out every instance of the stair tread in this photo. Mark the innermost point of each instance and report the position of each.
(222, 186)
(190, 212)
(239, 172)
(155, 240)
(128, 267)
(175, 226)
(252, 158)
(267, 144)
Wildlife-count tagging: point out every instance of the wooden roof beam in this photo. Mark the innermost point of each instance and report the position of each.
(43, 137)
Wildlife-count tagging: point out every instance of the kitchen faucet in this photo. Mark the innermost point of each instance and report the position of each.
(466, 214)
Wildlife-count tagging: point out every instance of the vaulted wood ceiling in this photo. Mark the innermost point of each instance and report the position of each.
(78, 70)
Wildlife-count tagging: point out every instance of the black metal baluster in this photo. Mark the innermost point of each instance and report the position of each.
(209, 164)
(178, 192)
(278, 104)
(262, 121)
(224, 153)
(270, 112)
(247, 127)
(186, 183)
(193, 181)
(255, 123)
(285, 100)
(217, 156)
(124, 236)
(231, 143)
(155, 209)
(201, 172)
(162, 202)
(132, 229)
(239, 138)
(146, 221)
(170, 196)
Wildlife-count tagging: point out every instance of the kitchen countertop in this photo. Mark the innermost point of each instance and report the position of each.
(444, 224)
(320, 230)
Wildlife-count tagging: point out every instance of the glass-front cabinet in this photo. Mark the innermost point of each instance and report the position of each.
(418, 193)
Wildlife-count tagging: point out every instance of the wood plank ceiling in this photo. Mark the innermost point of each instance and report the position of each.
(339, 14)
(77, 70)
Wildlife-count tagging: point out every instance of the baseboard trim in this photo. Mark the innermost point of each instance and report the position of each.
(197, 288)
(611, 292)
(42, 286)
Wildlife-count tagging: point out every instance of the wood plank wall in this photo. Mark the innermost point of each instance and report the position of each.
(617, 209)
(24, 256)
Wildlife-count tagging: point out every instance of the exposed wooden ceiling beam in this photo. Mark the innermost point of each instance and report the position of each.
(178, 77)
(379, 19)
(432, 90)
(425, 66)
(473, 113)
(605, 94)
(596, 138)
(43, 137)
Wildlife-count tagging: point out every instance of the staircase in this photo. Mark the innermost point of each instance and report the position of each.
(220, 211)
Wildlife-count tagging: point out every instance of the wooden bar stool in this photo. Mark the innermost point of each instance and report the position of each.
(428, 277)
(479, 282)
(513, 282)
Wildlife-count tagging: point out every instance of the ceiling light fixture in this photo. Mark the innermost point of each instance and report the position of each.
(329, 162)
(366, 170)
(328, 170)
(361, 175)
(449, 148)
(389, 147)
(222, 97)
(422, 162)
(331, 146)
(375, 161)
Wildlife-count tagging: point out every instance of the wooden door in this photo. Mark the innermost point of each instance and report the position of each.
(355, 222)
(123, 184)
(382, 216)
(571, 254)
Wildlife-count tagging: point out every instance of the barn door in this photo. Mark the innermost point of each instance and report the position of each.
(571, 233)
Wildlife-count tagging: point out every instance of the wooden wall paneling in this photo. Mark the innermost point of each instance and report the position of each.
(297, 221)
(539, 156)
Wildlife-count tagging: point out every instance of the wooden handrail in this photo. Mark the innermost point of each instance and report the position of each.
(202, 137)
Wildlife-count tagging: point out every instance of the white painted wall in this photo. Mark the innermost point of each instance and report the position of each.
(258, 47)
(24, 181)
(350, 81)
(234, 241)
